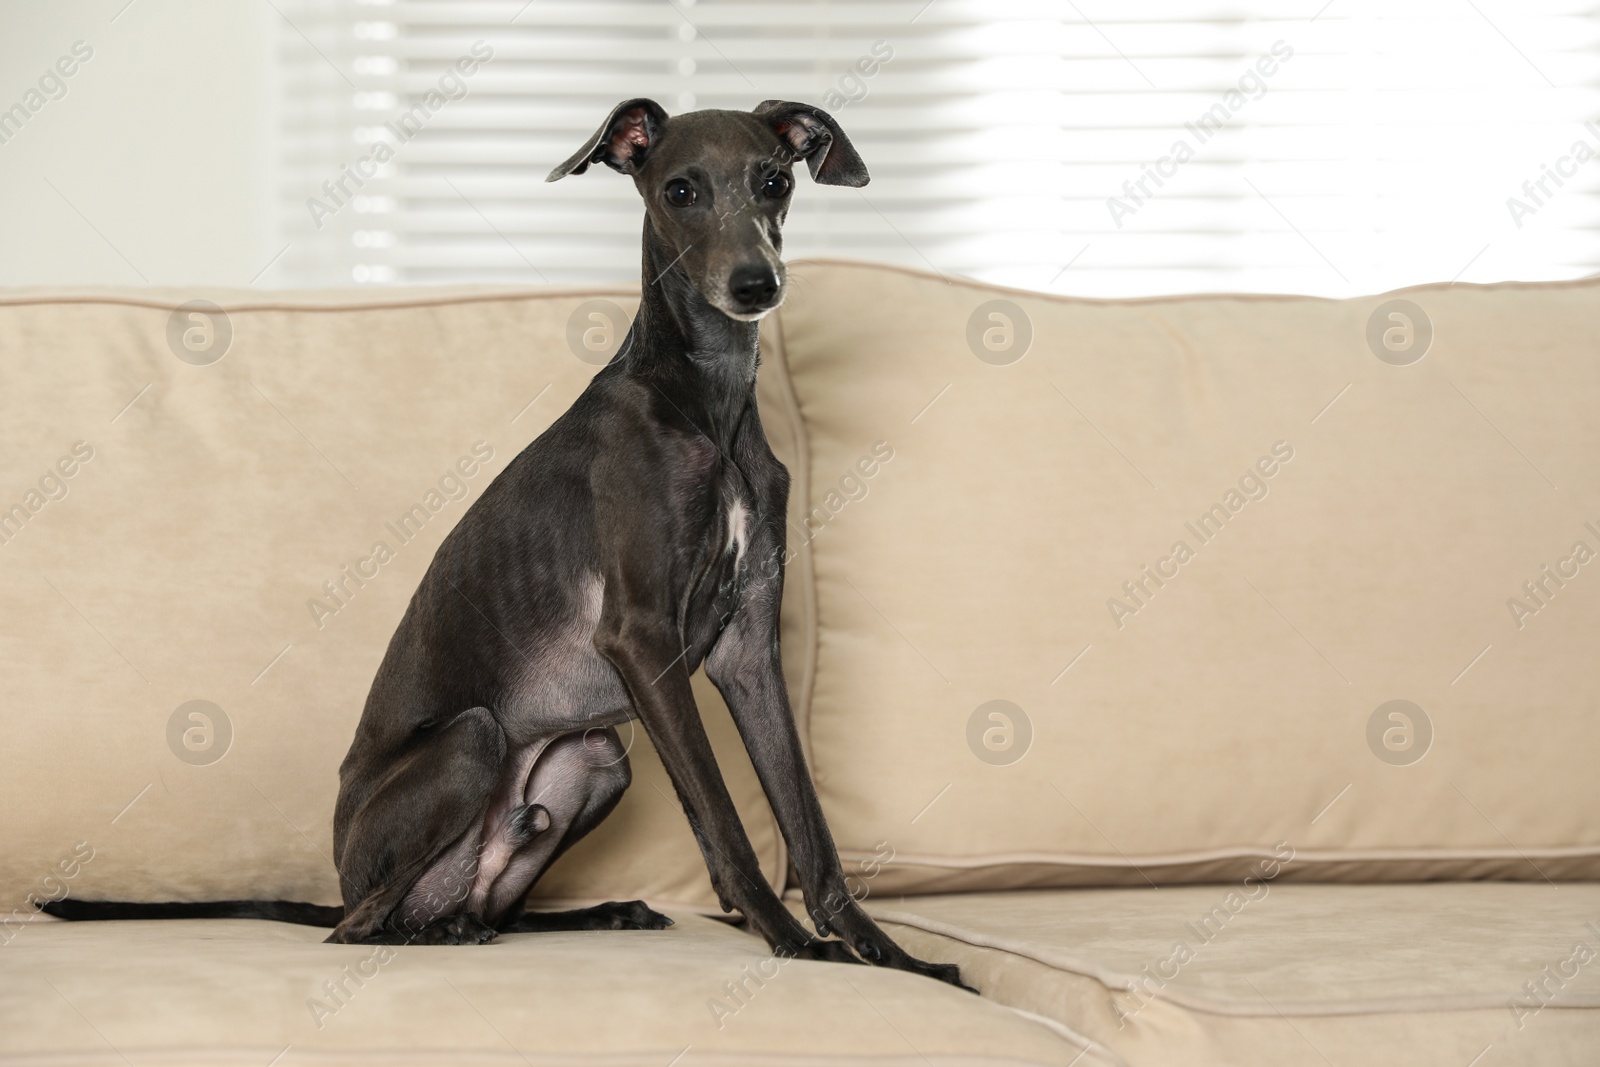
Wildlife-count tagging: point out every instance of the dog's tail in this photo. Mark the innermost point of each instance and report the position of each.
(281, 911)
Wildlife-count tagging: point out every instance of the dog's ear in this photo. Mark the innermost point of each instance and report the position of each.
(622, 142)
(814, 137)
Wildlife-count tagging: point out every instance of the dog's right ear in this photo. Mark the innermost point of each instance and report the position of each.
(622, 142)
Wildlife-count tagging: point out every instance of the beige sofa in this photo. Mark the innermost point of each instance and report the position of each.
(1210, 677)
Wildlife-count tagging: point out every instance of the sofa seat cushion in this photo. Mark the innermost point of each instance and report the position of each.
(225, 992)
(1279, 975)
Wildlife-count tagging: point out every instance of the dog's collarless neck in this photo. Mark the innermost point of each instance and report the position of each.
(677, 330)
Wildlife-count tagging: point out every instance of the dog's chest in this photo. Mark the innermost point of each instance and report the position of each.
(730, 563)
(738, 528)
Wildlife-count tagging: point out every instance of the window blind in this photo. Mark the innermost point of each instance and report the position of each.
(1331, 147)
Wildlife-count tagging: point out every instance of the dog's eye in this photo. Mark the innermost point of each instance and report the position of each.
(776, 186)
(680, 193)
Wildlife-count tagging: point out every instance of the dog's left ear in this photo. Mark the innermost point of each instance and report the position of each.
(622, 141)
(817, 139)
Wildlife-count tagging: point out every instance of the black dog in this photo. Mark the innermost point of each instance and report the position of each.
(641, 535)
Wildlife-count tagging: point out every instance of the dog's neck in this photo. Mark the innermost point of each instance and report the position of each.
(678, 331)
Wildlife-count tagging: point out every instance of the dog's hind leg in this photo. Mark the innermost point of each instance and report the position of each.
(428, 806)
(578, 779)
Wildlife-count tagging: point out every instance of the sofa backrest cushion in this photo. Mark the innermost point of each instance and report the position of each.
(1156, 590)
(202, 560)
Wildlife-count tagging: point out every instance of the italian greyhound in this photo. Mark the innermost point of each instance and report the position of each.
(640, 536)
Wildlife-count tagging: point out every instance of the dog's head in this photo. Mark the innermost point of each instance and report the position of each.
(716, 187)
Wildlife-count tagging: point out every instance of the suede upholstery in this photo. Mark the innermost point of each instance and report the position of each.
(1025, 707)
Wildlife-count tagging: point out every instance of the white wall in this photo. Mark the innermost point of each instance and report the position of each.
(165, 142)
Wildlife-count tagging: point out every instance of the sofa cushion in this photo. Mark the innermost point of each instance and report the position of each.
(1275, 975)
(1117, 592)
(701, 992)
(196, 529)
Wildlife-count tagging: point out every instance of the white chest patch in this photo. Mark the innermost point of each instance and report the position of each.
(738, 528)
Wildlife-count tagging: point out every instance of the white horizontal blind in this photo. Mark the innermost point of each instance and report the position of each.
(1075, 146)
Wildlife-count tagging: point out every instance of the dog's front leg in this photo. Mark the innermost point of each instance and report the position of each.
(747, 670)
(648, 653)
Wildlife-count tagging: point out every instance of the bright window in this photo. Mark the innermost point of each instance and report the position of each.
(1078, 146)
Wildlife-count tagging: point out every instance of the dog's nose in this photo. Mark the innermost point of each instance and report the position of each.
(753, 286)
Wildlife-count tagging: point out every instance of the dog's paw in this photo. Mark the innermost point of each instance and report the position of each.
(944, 972)
(616, 915)
(826, 951)
(460, 929)
(631, 915)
